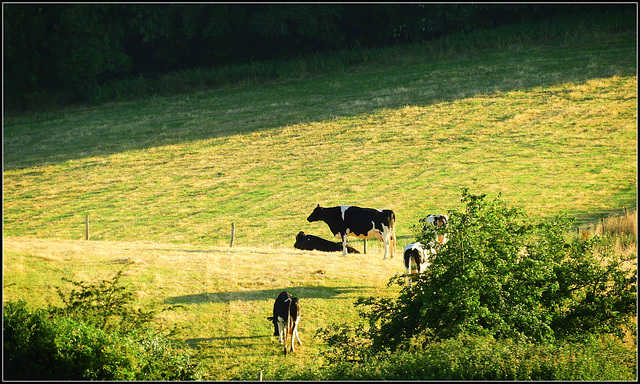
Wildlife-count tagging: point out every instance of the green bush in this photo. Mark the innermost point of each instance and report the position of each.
(466, 357)
(501, 276)
(95, 336)
(106, 305)
(498, 279)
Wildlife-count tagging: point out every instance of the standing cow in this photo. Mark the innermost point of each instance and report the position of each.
(363, 223)
(418, 254)
(437, 221)
(286, 316)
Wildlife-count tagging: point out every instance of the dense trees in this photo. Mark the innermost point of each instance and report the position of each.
(72, 47)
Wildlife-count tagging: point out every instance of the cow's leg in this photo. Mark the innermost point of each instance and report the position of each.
(281, 329)
(286, 333)
(344, 244)
(292, 339)
(393, 240)
(423, 265)
(387, 236)
(295, 330)
(413, 273)
(386, 248)
(385, 240)
(291, 331)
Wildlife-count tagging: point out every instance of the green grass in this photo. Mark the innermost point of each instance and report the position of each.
(550, 125)
(567, 147)
(219, 297)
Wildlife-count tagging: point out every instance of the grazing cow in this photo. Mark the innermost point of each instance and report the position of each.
(418, 254)
(363, 223)
(436, 221)
(286, 316)
(311, 242)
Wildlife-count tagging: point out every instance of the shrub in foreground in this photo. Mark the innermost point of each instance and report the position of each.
(518, 289)
(502, 276)
(96, 336)
(466, 357)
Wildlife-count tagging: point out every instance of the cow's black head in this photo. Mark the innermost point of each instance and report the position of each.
(440, 220)
(316, 214)
(301, 240)
(275, 325)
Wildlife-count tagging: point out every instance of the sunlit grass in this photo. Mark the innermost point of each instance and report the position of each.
(564, 148)
(219, 297)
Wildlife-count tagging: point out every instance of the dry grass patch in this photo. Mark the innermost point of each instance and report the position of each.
(217, 298)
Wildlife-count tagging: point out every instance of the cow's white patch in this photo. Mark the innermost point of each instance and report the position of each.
(373, 233)
(416, 245)
(343, 209)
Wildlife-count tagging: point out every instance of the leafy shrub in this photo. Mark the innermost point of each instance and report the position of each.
(106, 305)
(467, 357)
(96, 336)
(502, 278)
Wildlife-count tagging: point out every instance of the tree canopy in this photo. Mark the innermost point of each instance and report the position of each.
(73, 47)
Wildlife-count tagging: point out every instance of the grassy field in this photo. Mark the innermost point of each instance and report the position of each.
(219, 296)
(552, 127)
(182, 169)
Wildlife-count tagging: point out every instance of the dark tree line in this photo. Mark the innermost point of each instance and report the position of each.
(73, 47)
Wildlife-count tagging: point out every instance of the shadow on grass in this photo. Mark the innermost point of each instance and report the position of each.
(201, 340)
(584, 218)
(303, 292)
(243, 110)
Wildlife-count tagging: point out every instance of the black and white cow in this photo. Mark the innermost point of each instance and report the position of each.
(311, 242)
(286, 316)
(437, 221)
(418, 254)
(363, 223)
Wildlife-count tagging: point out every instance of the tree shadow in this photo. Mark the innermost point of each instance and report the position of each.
(583, 218)
(264, 107)
(302, 292)
(201, 340)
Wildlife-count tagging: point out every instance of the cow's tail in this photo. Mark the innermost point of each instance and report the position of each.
(392, 228)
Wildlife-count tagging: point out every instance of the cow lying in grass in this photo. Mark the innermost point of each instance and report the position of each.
(286, 316)
(311, 242)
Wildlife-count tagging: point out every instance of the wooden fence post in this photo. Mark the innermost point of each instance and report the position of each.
(260, 376)
(233, 234)
(86, 226)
